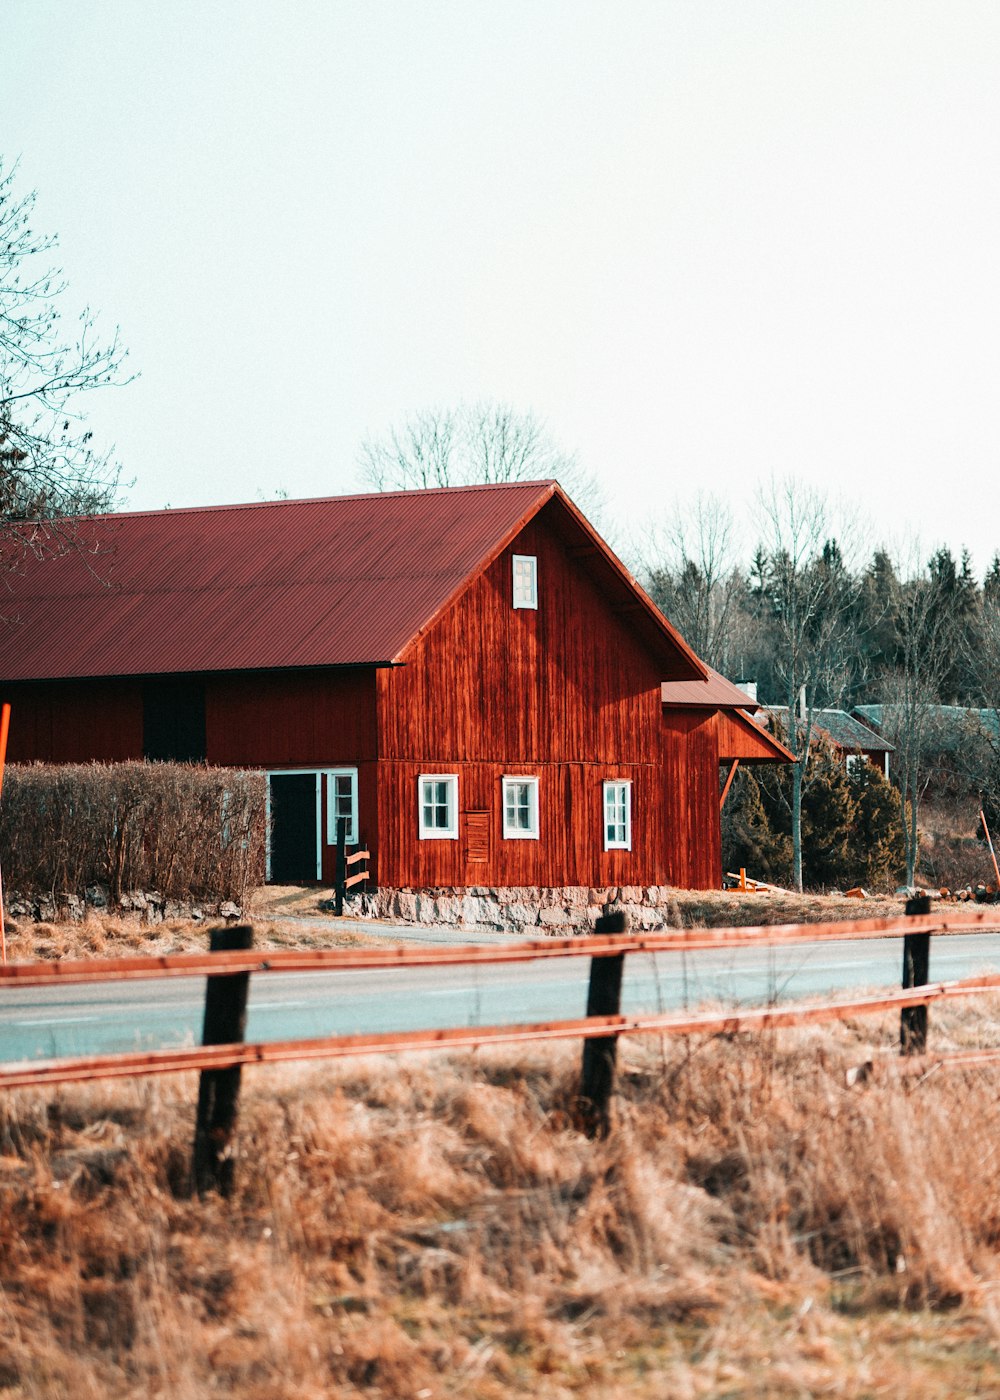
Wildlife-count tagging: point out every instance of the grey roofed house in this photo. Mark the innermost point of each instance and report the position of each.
(849, 736)
(953, 724)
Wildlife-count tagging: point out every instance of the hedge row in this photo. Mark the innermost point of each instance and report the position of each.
(183, 830)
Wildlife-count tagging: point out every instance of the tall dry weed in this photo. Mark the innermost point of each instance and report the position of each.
(185, 830)
(432, 1227)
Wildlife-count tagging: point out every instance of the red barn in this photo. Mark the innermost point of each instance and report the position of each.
(469, 676)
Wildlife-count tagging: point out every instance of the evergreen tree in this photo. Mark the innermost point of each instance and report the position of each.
(875, 844)
(991, 583)
(749, 840)
(828, 813)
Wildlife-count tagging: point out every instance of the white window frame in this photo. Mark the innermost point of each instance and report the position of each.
(332, 774)
(270, 773)
(512, 833)
(610, 791)
(532, 600)
(438, 833)
(853, 762)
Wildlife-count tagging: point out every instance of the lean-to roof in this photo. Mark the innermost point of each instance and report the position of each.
(714, 691)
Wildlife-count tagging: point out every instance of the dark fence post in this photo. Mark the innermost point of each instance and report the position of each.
(604, 998)
(340, 879)
(916, 973)
(213, 1166)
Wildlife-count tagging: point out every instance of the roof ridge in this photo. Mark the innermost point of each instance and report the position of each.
(540, 484)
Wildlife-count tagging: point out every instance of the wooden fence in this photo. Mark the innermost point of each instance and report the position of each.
(232, 960)
(343, 881)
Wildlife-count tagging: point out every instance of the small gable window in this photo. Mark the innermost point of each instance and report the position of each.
(617, 816)
(520, 809)
(525, 581)
(438, 806)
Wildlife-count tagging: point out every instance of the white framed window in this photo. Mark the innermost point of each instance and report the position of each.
(617, 816)
(853, 762)
(342, 801)
(520, 809)
(525, 581)
(437, 797)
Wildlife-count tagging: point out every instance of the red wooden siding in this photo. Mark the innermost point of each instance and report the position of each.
(569, 850)
(741, 737)
(299, 719)
(568, 693)
(75, 721)
(290, 719)
(691, 795)
(568, 682)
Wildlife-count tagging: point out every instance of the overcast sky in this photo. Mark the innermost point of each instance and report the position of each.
(706, 242)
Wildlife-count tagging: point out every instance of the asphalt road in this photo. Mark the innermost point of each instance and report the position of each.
(76, 1020)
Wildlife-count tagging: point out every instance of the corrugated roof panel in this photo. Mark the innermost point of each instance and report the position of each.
(338, 581)
(715, 692)
(283, 583)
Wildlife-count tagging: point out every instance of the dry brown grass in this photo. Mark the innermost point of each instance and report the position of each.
(724, 908)
(109, 936)
(435, 1226)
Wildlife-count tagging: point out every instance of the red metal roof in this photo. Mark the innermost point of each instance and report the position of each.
(715, 692)
(347, 580)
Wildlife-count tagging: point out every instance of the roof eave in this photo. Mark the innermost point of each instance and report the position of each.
(781, 753)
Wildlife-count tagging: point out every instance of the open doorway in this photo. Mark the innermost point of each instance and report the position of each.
(294, 810)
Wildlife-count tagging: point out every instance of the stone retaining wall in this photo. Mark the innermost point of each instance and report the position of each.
(146, 906)
(571, 909)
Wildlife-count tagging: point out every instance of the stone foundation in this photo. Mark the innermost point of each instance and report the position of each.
(567, 910)
(145, 906)
(530, 910)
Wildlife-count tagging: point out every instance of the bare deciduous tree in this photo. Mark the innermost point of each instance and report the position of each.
(924, 619)
(690, 572)
(49, 467)
(477, 443)
(806, 610)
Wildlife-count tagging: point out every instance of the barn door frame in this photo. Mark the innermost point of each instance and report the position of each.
(318, 773)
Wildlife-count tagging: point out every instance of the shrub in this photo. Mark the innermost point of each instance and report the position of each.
(187, 831)
(852, 830)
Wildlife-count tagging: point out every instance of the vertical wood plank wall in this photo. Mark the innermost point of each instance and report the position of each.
(254, 720)
(567, 693)
(75, 721)
(300, 719)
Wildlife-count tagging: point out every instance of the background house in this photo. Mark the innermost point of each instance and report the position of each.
(468, 676)
(853, 741)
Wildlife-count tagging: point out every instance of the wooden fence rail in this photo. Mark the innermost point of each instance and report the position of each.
(596, 945)
(231, 962)
(342, 880)
(36, 1073)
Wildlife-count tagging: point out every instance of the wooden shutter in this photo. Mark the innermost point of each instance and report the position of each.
(477, 837)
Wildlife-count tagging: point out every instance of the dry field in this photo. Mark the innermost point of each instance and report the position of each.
(434, 1226)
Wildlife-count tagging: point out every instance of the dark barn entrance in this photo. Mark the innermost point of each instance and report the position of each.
(294, 844)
